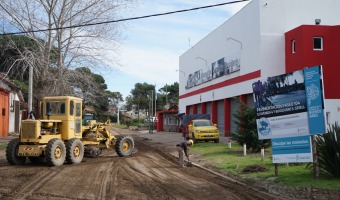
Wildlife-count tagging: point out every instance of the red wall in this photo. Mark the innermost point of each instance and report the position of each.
(4, 113)
(214, 112)
(305, 56)
(194, 109)
(204, 108)
(227, 125)
(159, 122)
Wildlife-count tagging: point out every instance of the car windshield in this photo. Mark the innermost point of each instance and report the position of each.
(203, 123)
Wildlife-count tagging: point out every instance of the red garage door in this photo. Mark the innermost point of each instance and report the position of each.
(3, 114)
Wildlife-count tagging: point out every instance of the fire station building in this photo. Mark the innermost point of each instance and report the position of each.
(265, 38)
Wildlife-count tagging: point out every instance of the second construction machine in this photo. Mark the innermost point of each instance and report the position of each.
(60, 136)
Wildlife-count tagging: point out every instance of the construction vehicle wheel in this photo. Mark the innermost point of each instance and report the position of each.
(37, 160)
(124, 145)
(12, 153)
(74, 151)
(55, 152)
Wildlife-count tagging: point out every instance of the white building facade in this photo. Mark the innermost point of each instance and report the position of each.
(249, 46)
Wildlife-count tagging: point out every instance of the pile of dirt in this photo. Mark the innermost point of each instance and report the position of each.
(254, 168)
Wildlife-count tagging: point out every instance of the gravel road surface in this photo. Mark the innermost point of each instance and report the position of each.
(151, 172)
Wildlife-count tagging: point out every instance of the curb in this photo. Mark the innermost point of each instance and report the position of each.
(212, 172)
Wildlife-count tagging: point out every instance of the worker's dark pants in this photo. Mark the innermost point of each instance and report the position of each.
(181, 156)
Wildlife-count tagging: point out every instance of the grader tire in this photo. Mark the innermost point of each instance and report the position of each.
(124, 145)
(12, 153)
(55, 152)
(74, 151)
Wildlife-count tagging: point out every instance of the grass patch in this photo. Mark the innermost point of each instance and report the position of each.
(3, 146)
(233, 161)
(119, 126)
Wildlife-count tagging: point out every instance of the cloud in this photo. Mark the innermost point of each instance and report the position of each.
(155, 65)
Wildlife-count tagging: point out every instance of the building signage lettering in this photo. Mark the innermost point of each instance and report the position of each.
(221, 67)
(292, 150)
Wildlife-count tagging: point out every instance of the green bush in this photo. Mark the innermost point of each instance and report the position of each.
(328, 150)
(112, 118)
(247, 130)
(127, 122)
(137, 122)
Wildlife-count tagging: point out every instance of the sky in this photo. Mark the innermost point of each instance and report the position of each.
(151, 49)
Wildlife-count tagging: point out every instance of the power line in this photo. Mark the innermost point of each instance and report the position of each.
(121, 20)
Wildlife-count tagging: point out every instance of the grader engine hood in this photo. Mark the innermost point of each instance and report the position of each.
(32, 130)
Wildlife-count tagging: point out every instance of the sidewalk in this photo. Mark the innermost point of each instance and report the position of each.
(5, 140)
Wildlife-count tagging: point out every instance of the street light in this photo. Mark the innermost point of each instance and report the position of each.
(178, 70)
(230, 38)
(206, 62)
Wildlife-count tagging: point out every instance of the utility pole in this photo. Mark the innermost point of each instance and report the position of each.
(118, 122)
(152, 103)
(166, 95)
(151, 113)
(30, 89)
(155, 101)
(138, 106)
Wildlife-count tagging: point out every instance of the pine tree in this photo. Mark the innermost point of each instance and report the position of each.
(247, 130)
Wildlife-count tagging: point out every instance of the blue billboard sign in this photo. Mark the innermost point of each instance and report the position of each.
(290, 105)
(292, 150)
(314, 95)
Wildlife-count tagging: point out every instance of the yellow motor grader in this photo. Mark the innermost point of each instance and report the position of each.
(61, 135)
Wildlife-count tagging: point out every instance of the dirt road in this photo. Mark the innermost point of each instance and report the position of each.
(147, 174)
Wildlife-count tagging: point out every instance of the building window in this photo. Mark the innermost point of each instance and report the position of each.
(293, 46)
(172, 121)
(318, 43)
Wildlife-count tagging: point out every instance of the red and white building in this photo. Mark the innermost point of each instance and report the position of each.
(11, 102)
(266, 38)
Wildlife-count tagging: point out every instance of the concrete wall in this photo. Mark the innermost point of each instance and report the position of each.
(13, 119)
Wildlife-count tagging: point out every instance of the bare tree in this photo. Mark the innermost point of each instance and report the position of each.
(60, 50)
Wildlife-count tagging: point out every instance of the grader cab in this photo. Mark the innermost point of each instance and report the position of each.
(61, 135)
